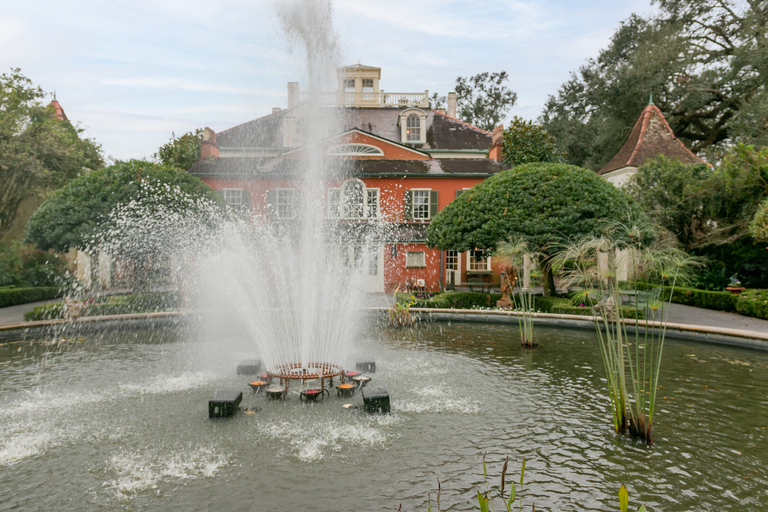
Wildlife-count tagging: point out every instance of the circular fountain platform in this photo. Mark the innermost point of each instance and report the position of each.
(299, 372)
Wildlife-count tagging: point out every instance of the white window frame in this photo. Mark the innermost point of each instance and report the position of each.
(336, 205)
(404, 135)
(345, 84)
(415, 259)
(372, 210)
(364, 88)
(291, 205)
(347, 205)
(451, 260)
(477, 267)
(229, 196)
(414, 204)
(354, 149)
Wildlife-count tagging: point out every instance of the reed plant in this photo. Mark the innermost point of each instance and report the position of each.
(512, 253)
(631, 349)
(399, 313)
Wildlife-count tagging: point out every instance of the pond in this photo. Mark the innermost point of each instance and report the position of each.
(118, 421)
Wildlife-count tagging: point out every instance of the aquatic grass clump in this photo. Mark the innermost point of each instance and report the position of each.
(399, 313)
(513, 254)
(631, 358)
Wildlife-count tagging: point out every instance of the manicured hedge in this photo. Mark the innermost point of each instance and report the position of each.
(470, 300)
(11, 296)
(753, 303)
(459, 300)
(719, 301)
(111, 305)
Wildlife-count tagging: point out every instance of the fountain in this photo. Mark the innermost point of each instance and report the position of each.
(117, 420)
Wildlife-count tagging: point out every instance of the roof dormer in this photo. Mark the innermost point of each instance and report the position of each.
(413, 126)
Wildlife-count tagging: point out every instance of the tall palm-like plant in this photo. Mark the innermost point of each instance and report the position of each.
(512, 254)
(631, 349)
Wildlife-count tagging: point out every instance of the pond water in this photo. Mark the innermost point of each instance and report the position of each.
(118, 421)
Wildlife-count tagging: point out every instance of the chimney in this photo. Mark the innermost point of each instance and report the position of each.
(450, 105)
(208, 147)
(293, 94)
(275, 110)
(497, 144)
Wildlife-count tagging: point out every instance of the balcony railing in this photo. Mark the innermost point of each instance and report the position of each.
(367, 99)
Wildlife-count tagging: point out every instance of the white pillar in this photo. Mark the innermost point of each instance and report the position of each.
(105, 270)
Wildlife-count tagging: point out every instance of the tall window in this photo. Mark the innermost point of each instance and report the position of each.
(373, 260)
(286, 204)
(349, 85)
(334, 202)
(373, 203)
(236, 197)
(478, 260)
(353, 201)
(451, 260)
(367, 84)
(413, 128)
(421, 204)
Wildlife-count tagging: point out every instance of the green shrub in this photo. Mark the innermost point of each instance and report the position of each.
(111, 305)
(10, 296)
(719, 301)
(546, 304)
(455, 300)
(45, 312)
(26, 267)
(753, 303)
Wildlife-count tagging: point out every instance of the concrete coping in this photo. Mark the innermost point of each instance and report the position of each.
(460, 314)
(588, 318)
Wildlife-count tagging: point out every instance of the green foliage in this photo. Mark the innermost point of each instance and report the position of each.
(719, 301)
(673, 194)
(758, 227)
(483, 99)
(111, 305)
(709, 211)
(25, 266)
(11, 296)
(703, 61)
(526, 142)
(182, 152)
(73, 216)
(714, 277)
(739, 185)
(742, 257)
(39, 152)
(753, 303)
(540, 203)
(458, 300)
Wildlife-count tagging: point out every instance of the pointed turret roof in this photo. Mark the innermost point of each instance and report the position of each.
(650, 138)
(58, 110)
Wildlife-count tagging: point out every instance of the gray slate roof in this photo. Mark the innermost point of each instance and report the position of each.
(443, 132)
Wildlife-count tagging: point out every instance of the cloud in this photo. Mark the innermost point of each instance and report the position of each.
(187, 85)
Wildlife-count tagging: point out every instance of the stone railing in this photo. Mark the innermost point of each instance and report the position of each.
(367, 99)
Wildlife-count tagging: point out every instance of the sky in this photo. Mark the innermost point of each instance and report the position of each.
(131, 73)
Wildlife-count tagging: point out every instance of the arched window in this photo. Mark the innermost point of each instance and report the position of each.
(353, 150)
(413, 128)
(353, 199)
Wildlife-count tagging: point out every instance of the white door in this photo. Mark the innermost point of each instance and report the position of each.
(369, 261)
(452, 266)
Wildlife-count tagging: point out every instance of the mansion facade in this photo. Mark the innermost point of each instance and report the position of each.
(400, 162)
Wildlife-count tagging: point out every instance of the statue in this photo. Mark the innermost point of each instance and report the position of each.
(508, 281)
